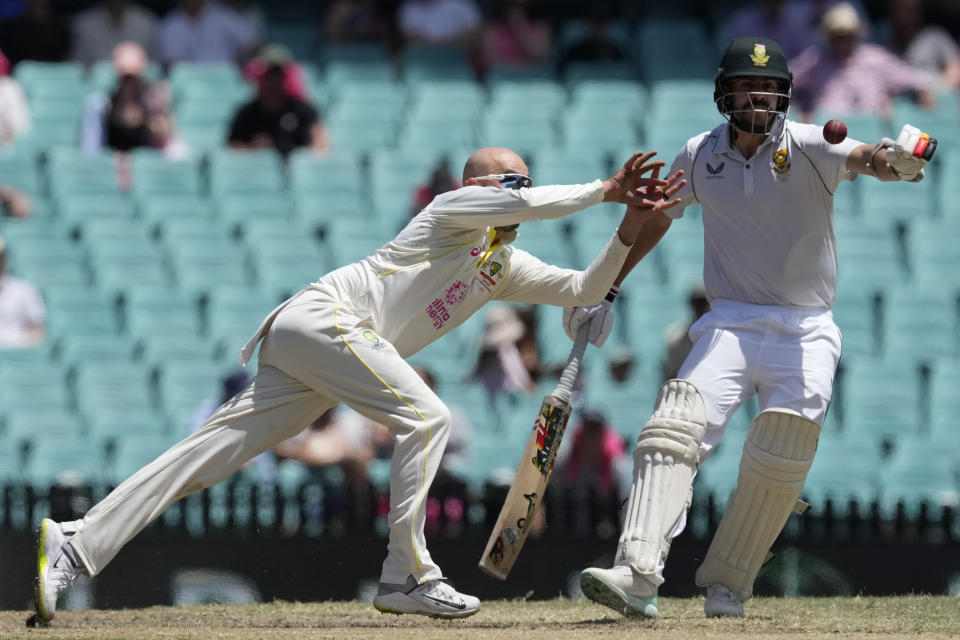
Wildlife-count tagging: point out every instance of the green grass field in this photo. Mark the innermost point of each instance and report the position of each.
(808, 618)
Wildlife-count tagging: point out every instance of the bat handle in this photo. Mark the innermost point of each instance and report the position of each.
(569, 375)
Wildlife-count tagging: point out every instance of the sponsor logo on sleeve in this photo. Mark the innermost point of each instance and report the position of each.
(374, 339)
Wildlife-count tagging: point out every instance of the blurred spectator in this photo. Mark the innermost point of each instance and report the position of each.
(15, 203)
(99, 29)
(594, 451)
(778, 19)
(22, 312)
(278, 117)
(442, 179)
(621, 364)
(677, 335)
(596, 44)
(515, 37)
(500, 366)
(357, 20)
(204, 31)
(36, 34)
(135, 114)
(441, 22)
(590, 468)
(14, 112)
(330, 441)
(924, 46)
(849, 76)
(232, 384)
(792, 23)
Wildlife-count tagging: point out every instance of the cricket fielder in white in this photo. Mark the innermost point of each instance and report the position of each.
(766, 187)
(344, 339)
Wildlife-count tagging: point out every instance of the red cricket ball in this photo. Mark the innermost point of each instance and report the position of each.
(834, 131)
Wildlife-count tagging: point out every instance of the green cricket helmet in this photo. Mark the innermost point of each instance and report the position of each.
(760, 57)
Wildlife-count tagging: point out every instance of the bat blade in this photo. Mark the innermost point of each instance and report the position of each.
(526, 493)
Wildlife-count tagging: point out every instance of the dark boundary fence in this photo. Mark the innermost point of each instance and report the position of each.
(323, 540)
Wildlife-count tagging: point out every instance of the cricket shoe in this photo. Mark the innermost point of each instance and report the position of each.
(722, 603)
(433, 598)
(622, 590)
(58, 566)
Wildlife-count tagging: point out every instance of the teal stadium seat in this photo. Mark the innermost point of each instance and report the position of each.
(932, 251)
(843, 470)
(183, 385)
(234, 210)
(76, 209)
(856, 313)
(74, 173)
(113, 426)
(20, 170)
(152, 311)
(944, 410)
(881, 401)
(120, 386)
(900, 202)
(156, 210)
(155, 174)
(32, 385)
(910, 479)
(340, 72)
(55, 260)
(949, 189)
(421, 63)
(74, 458)
(326, 175)
(77, 349)
(117, 269)
(81, 312)
(245, 172)
(133, 453)
(696, 58)
(201, 269)
(868, 256)
(919, 325)
(210, 79)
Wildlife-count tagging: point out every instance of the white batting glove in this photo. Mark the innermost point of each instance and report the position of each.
(600, 317)
(911, 151)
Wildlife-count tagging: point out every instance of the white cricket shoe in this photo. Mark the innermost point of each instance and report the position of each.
(722, 603)
(621, 589)
(57, 567)
(433, 598)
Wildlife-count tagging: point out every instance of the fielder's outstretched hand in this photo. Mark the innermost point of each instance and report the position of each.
(624, 186)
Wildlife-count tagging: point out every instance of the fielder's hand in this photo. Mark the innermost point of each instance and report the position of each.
(624, 186)
(911, 151)
(600, 317)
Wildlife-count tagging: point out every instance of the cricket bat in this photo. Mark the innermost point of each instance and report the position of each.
(526, 492)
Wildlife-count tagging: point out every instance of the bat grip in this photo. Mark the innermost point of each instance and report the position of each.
(569, 375)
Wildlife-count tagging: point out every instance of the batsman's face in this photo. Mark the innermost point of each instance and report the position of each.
(754, 102)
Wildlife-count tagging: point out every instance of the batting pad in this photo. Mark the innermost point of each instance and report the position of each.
(777, 455)
(664, 463)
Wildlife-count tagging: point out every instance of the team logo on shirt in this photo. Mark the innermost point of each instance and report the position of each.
(781, 163)
(374, 339)
(759, 55)
(495, 268)
(490, 273)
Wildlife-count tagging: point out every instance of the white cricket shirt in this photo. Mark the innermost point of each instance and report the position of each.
(768, 221)
(442, 266)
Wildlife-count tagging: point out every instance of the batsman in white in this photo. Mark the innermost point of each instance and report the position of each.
(344, 339)
(766, 187)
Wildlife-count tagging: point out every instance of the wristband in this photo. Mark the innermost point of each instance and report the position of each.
(614, 290)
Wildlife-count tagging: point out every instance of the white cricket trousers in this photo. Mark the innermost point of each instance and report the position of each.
(786, 355)
(317, 352)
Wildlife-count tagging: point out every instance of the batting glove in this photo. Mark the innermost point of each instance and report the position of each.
(600, 317)
(911, 151)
